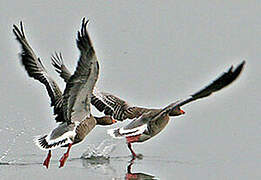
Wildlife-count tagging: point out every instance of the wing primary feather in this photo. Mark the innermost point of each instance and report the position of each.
(224, 80)
(35, 68)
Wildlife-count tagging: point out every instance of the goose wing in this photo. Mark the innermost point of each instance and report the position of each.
(35, 69)
(77, 94)
(224, 80)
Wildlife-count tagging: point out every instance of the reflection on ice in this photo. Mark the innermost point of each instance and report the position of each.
(137, 176)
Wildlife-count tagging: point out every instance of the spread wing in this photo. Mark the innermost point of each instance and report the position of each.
(104, 102)
(77, 94)
(224, 80)
(36, 70)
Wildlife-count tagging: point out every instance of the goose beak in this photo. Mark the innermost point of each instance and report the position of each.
(114, 121)
(182, 112)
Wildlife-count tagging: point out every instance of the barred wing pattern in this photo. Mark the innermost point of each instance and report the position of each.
(36, 70)
(114, 106)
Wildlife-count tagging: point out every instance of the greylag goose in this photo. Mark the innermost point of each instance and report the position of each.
(72, 107)
(152, 122)
(147, 122)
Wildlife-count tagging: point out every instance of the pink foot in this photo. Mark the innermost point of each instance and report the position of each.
(63, 159)
(47, 160)
(65, 156)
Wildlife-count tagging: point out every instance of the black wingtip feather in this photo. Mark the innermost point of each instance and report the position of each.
(221, 82)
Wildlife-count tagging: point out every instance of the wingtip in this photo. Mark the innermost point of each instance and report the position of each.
(84, 19)
(240, 67)
(242, 63)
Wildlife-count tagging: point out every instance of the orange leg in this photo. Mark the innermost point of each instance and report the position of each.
(131, 150)
(47, 160)
(65, 156)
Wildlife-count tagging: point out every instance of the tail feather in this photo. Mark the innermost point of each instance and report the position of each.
(127, 132)
(43, 143)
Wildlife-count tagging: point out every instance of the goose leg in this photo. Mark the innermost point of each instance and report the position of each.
(65, 156)
(132, 152)
(47, 160)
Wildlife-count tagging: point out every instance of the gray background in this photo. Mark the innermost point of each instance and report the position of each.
(151, 53)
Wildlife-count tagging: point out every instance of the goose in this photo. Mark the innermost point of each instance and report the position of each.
(150, 123)
(72, 107)
(147, 122)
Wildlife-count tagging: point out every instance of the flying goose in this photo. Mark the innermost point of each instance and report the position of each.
(151, 123)
(147, 122)
(72, 107)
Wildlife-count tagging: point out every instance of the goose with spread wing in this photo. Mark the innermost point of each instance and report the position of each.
(72, 107)
(147, 122)
(151, 123)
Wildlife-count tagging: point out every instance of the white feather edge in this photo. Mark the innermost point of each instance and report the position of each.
(68, 135)
(130, 132)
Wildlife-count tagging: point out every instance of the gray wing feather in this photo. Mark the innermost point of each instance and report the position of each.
(36, 70)
(77, 94)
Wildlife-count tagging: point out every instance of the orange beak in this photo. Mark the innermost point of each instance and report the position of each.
(182, 112)
(114, 121)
